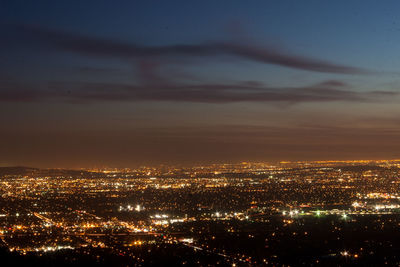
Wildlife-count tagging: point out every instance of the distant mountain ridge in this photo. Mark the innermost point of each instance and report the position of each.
(17, 170)
(36, 172)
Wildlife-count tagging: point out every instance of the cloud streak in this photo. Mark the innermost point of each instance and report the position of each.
(222, 93)
(110, 48)
(328, 91)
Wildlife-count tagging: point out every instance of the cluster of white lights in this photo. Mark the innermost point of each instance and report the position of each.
(137, 208)
(46, 249)
(291, 213)
(160, 216)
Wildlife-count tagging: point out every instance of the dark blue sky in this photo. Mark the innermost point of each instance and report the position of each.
(91, 83)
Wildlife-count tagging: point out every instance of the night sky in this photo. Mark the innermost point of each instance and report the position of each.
(96, 83)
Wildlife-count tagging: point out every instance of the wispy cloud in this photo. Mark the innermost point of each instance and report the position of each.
(111, 48)
(327, 91)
